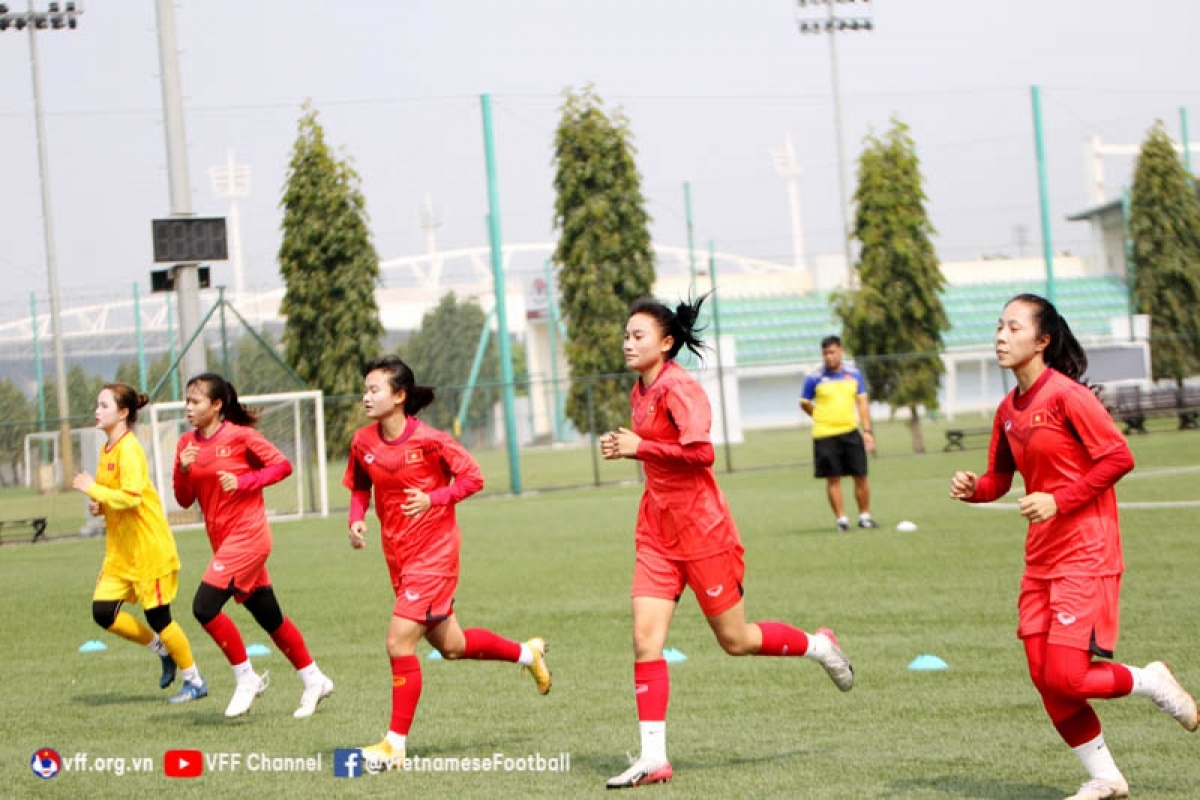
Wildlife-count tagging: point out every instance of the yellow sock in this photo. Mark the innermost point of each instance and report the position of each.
(130, 627)
(176, 642)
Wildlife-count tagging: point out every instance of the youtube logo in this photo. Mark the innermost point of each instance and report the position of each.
(183, 763)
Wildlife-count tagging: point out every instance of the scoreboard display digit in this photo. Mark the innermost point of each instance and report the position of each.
(185, 240)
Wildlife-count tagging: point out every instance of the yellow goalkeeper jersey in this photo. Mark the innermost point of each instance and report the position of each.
(140, 544)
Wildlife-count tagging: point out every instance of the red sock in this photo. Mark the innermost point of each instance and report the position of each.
(226, 635)
(652, 687)
(406, 692)
(483, 645)
(289, 641)
(781, 639)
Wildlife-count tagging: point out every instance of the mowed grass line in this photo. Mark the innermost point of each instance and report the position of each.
(558, 565)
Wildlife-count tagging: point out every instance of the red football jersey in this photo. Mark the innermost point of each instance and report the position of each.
(683, 513)
(421, 458)
(1063, 442)
(233, 519)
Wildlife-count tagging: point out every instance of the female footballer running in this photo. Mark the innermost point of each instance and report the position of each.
(1054, 431)
(685, 534)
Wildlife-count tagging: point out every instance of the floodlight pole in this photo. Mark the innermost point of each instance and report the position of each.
(832, 24)
(843, 178)
(187, 276)
(55, 19)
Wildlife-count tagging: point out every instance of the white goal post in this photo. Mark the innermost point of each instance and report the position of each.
(293, 421)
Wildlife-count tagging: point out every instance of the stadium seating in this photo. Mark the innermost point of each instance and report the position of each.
(778, 329)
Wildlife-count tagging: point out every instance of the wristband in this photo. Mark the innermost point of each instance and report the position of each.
(868, 431)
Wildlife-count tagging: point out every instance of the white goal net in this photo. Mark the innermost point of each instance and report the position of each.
(293, 421)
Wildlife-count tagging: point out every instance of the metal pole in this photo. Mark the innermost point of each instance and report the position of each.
(141, 345)
(843, 179)
(60, 364)
(172, 373)
(1187, 146)
(224, 335)
(1130, 265)
(1043, 191)
(505, 347)
(187, 277)
(37, 363)
(712, 276)
(552, 335)
(687, 208)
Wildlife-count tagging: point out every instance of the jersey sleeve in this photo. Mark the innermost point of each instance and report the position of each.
(356, 478)
(181, 482)
(270, 465)
(688, 405)
(458, 463)
(809, 390)
(360, 501)
(996, 482)
(1111, 458)
(862, 382)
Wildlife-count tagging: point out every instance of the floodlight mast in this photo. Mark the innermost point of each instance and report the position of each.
(57, 17)
(811, 20)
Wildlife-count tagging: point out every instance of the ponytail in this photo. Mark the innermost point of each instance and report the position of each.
(679, 324)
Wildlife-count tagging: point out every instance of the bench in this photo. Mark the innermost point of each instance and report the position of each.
(956, 437)
(1133, 405)
(37, 524)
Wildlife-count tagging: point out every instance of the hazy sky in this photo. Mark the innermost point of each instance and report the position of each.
(709, 86)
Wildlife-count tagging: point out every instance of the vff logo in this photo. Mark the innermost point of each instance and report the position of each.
(347, 763)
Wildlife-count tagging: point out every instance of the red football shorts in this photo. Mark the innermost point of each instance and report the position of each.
(716, 580)
(427, 599)
(1075, 611)
(238, 569)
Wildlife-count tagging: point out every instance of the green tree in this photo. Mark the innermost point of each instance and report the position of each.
(1164, 223)
(441, 353)
(604, 254)
(82, 390)
(17, 417)
(256, 371)
(330, 269)
(893, 324)
(127, 372)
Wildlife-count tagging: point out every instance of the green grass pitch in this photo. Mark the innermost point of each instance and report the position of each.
(557, 564)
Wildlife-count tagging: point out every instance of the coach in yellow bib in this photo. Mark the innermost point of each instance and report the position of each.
(835, 396)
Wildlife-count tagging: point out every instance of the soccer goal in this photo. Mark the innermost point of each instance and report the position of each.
(44, 462)
(293, 421)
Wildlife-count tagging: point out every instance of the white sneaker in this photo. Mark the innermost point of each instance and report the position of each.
(1102, 789)
(312, 697)
(1170, 697)
(836, 665)
(640, 773)
(243, 696)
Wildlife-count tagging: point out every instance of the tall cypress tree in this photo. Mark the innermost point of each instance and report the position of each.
(603, 252)
(331, 270)
(893, 324)
(1164, 223)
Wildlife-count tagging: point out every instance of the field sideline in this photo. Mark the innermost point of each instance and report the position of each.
(558, 564)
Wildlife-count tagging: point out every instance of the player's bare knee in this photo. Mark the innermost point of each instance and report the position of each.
(735, 645)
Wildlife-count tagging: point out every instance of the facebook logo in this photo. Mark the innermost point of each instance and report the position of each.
(347, 763)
